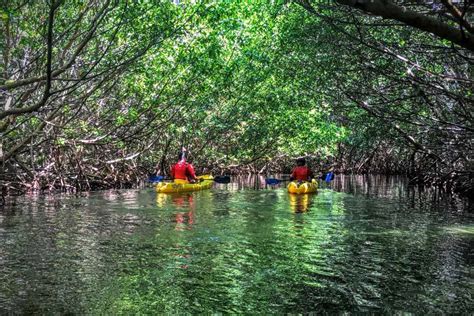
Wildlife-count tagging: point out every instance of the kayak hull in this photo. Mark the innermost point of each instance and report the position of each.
(303, 188)
(182, 186)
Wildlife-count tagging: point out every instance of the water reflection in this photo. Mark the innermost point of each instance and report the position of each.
(245, 182)
(300, 203)
(235, 249)
(183, 208)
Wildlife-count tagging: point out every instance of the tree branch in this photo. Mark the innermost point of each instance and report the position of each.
(46, 94)
(458, 15)
(388, 10)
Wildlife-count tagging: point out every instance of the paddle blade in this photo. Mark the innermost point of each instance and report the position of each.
(329, 176)
(222, 179)
(272, 181)
(154, 179)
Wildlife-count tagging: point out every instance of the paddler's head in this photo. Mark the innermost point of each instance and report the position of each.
(182, 156)
(300, 161)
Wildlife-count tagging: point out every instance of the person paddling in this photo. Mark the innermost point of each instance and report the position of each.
(182, 171)
(301, 172)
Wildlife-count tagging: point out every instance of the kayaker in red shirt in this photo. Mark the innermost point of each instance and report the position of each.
(301, 172)
(183, 171)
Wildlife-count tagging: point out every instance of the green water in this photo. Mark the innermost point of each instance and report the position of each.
(377, 246)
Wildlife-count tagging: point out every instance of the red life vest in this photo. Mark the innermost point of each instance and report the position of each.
(301, 173)
(182, 170)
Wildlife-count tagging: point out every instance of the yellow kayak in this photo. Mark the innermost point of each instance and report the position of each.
(304, 187)
(185, 186)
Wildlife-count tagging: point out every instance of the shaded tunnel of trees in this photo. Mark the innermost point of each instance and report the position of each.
(99, 94)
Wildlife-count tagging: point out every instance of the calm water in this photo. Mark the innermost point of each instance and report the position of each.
(363, 244)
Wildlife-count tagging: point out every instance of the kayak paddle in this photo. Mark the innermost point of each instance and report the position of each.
(155, 179)
(273, 181)
(328, 177)
(218, 179)
(222, 179)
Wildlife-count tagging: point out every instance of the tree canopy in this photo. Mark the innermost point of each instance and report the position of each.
(101, 93)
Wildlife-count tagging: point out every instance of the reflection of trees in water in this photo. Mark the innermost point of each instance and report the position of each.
(398, 188)
(254, 182)
(54, 251)
(384, 186)
(117, 195)
(373, 250)
(372, 185)
(246, 251)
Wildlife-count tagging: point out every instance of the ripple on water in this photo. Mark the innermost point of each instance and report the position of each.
(240, 251)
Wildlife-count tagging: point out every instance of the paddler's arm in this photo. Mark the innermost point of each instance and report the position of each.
(190, 172)
(172, 172)
(293, 174)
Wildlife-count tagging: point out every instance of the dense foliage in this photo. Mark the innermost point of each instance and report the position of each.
(103, 93)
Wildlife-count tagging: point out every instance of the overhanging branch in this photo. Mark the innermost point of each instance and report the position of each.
(388, 10)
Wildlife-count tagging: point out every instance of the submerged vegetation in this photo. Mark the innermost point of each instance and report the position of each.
(103, 93)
